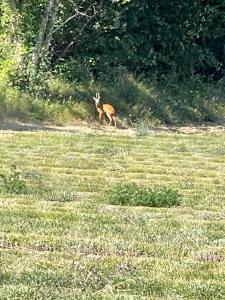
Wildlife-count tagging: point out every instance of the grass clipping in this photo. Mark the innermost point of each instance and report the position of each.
(132, 194)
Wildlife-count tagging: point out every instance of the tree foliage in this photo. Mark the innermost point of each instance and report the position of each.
(151, 39)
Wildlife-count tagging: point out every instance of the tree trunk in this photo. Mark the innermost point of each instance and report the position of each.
(49, 34)
(45, 33)
(15, 31)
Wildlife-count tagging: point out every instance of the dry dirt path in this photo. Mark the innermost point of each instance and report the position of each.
(92, 128)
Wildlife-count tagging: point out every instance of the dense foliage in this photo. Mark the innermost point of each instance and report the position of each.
(96, 41)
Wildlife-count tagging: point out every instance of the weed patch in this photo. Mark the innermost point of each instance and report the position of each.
(13, 183)
(133, 194)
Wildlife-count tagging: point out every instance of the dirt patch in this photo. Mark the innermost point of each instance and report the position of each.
(78, 127)
(189, 129)
(93, 128)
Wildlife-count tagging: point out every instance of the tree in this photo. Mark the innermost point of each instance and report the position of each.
(45, 32)
(149, 38)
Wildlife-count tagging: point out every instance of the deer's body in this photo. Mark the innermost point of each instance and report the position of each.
(103, 109)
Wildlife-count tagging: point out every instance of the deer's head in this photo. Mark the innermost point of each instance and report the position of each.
(97, 98)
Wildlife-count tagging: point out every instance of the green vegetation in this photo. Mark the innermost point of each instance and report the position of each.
(12, 182)
(135, 195)
(134, 215)
(15, 104)
(156, 62)
(60, 242)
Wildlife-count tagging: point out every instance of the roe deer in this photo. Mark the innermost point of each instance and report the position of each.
(102, 109)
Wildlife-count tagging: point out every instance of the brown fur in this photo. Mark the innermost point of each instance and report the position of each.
(103, 109)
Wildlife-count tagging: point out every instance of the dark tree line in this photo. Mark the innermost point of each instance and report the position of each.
(152, 39)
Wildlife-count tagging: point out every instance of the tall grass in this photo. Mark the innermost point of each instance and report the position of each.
(20, 105)
(138, 102)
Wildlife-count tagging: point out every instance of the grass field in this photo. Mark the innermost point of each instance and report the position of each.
(58, 241)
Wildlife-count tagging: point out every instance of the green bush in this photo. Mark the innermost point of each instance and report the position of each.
(13, 183)
(135, 195)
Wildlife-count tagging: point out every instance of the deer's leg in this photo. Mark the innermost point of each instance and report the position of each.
(100, 116)
(110, 118)
(114, 120)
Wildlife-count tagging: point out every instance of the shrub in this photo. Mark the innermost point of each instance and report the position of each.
(13, 183)
(135, 195)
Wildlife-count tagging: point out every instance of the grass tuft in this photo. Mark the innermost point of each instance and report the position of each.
(133, 194)
(12, 182)
(61, 196)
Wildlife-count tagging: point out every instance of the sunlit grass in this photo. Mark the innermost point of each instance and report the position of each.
(61, 242)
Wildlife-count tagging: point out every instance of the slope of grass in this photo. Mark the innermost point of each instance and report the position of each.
(60, 242)
(138, 103)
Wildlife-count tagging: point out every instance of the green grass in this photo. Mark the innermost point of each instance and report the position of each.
(133, 194)
(19, 105)
(140, 104)
(60, 242)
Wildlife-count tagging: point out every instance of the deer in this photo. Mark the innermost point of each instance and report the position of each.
(103, 109)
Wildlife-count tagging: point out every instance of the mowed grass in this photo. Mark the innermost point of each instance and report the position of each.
(60, 242)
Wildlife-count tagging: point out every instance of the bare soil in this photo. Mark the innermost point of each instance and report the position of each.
(93, 128)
